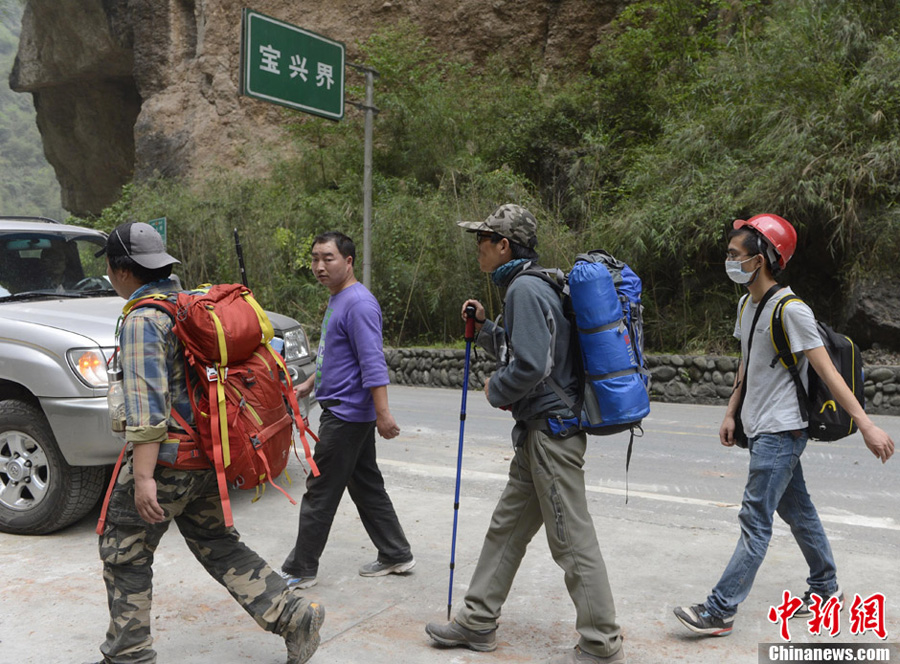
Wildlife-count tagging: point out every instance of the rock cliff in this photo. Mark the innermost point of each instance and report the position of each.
(127, 88)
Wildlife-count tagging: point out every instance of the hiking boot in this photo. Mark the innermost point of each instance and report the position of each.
(697, 619)
(301, 582)
(379, 568)
(302, 637)
(805, 610)
(578, 656)
(454, 634)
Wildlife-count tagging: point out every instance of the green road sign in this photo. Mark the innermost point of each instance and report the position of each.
(160, 226)
(290, 66)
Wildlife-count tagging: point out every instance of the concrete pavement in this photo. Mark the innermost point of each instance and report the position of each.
(54, 604)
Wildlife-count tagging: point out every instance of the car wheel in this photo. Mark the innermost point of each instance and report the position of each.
(39, 491)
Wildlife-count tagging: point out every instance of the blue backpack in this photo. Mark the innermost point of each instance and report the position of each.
(602, 299)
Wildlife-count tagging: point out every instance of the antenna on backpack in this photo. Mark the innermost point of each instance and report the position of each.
(240, 255)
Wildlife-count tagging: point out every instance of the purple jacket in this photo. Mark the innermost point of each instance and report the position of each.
(351, 358)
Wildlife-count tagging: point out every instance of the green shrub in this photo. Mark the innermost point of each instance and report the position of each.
(690, 114)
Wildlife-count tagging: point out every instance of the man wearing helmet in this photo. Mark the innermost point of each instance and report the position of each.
(776, 433)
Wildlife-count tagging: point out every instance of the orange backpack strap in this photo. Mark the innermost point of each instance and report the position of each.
(304, 429)
(101, 522)
(218, 425)
(299, 421)
(265, 462)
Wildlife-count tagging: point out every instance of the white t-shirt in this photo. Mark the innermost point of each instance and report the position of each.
(771, 404)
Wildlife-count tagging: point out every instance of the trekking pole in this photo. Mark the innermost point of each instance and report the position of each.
(240, 255)
(470, 336)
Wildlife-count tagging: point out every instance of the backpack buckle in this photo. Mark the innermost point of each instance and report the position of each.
(212, 374)
(564, 429)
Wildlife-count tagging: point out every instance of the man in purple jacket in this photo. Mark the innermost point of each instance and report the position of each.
(351, 381)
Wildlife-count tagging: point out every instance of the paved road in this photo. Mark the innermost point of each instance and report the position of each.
(666, 546)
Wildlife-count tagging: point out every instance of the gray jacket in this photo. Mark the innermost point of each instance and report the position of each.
(533, 344)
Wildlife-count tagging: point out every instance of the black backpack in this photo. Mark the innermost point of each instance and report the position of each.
(827, 419)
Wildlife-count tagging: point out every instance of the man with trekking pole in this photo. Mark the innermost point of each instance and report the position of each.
(546, 480)
(766, 405)
(155, 489)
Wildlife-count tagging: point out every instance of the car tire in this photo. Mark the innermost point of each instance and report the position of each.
(40, 492)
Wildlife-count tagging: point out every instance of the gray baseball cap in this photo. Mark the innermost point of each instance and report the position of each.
(513, 222)
(140, 242)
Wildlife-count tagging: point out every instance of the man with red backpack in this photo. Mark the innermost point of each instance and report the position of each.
(774, 427)
(149, 493)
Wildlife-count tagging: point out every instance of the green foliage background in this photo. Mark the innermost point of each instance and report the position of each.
(28, 185)
(692, 113)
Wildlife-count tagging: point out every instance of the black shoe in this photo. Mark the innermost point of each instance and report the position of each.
(302, 638)
(698, 619)
(454, 634)
(805, 610)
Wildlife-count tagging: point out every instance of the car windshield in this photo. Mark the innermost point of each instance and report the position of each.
(35, 264)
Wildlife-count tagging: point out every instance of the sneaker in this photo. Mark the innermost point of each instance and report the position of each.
(697, 619)
(805, 610)
(578, 656)
(454, 634)
(302, 638)
(301, 582)
(379, 568)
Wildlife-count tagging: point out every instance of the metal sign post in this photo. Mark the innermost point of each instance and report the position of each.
(371, 111)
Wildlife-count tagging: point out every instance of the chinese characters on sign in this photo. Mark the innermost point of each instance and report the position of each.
(290, 66)
(270, 58)
(866, 615)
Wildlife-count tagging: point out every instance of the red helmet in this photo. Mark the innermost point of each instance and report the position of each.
(781, 235)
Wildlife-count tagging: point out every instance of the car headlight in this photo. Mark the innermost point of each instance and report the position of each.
(89, 364)
(296, 346)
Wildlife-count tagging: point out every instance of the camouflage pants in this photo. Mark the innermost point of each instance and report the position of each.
(127, 546)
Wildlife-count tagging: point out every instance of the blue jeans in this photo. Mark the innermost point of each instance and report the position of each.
(775, 483)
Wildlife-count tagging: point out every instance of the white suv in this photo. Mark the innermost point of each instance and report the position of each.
(58, 316)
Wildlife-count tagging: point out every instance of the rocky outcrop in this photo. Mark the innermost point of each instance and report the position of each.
(130, 88)
(873, 313)
(78, 63)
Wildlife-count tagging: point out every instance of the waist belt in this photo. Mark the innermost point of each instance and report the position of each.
(555, 426)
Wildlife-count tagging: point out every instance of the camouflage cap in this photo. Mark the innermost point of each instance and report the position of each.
(513, 222)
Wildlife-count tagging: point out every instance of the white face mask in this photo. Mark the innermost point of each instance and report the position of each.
(736, 274)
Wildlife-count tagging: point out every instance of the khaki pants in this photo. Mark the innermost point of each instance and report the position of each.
(127, 546)
(546, 487)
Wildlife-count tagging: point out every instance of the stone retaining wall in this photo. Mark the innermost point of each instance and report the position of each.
(676, 378)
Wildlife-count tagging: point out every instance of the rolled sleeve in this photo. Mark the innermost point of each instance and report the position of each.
(145, 375)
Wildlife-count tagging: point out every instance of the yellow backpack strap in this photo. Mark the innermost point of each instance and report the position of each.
(778, 334)
(744, 301)
(783, 352)
(265, 324)
(223, 416)
(220, 337)
(222, 371)
(129, 306)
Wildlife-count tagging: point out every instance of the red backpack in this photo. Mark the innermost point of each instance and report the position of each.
(244, 410)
